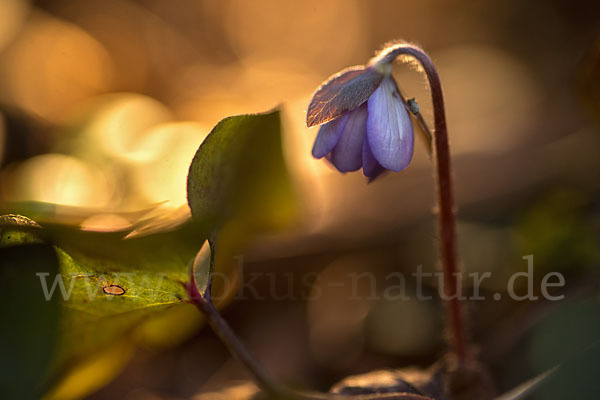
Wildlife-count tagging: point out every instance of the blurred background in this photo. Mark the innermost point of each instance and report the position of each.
(104, 103)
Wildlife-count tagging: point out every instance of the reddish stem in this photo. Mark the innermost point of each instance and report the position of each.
(273, 388)
(447, 230)
(233, 343)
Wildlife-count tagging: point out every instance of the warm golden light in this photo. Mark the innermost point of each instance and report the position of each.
(300, 26)
(12, 15)
(120, 122)
(2, 136)
(105, 223)
(52, 66)
(60, 179)
(163, 157)
(491, 96)
(103, 105)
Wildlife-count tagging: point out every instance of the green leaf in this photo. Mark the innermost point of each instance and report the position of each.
(116, 290)
(239, 173)
(13, 232)
(239, 181)
(107, 287)
(30, 323)
(119, 285)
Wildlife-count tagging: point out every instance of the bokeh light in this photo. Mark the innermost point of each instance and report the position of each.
(59, 179)
(120, 122)
(250, 27)
(164, 156)
(52, 66)
(12, 15)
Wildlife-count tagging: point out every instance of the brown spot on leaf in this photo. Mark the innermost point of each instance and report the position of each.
(113, 290)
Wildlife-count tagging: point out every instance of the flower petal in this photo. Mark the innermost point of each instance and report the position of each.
(328, 136)
(343, 91)
(389, 128)
(371, 168)
(347, 153)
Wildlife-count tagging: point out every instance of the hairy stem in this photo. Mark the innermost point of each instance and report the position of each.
(445, 200)
(233, 343)
(268, 385)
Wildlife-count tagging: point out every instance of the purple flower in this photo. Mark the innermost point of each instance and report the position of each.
(364, 121)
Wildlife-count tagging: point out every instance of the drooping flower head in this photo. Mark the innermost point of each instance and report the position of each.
(364, 120)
